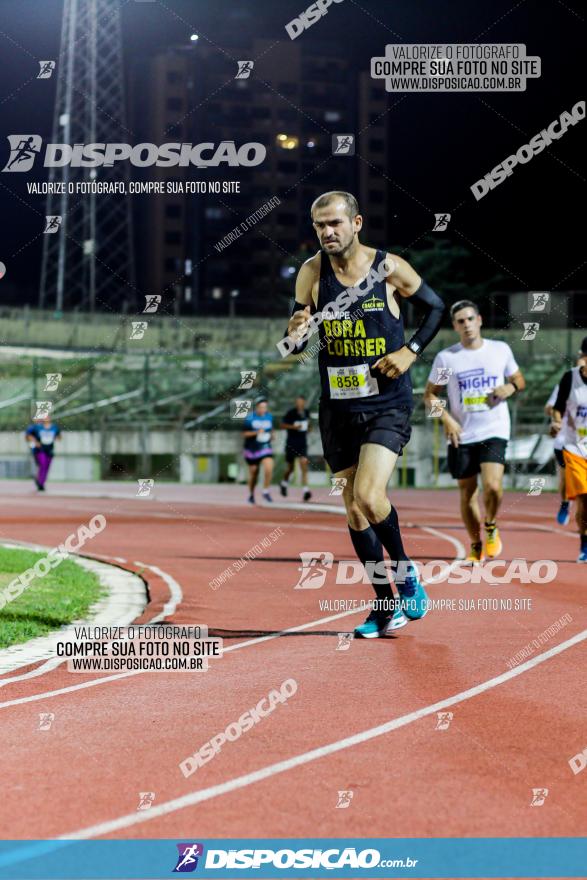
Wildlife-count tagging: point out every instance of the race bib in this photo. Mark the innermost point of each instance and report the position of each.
(303, 426)
(263, 437)
(349, 382)
(46, 437)
(475, 403)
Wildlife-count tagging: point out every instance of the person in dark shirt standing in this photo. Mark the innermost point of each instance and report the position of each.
(296, 422)
(41, 436)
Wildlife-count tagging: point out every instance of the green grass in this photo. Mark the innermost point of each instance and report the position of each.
(62, 596)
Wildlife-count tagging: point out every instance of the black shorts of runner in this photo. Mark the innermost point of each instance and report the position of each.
(465, 460)
(560, 459)
(293, 452)
(343, 433)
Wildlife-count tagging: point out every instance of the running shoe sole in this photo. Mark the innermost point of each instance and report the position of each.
(395, 623)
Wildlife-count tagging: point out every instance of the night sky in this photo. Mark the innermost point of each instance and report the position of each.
(530, 228)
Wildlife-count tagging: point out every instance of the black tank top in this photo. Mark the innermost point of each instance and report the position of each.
(353, 339)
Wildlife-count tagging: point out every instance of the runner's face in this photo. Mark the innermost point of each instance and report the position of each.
(335, 229)
(261, 409)
(467, 323)
(300, 403)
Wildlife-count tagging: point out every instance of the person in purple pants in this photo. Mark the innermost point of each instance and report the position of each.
(41, 436)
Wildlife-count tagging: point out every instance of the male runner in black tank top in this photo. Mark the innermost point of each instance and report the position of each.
(352, 293)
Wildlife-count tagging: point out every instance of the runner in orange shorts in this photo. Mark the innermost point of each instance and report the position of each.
(572, 401)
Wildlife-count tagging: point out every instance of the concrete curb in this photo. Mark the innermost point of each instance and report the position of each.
(125, 600)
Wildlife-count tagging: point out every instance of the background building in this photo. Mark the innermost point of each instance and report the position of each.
(194, 96)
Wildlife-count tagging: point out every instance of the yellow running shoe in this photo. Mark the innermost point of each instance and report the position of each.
(475, 556)
(493, 545)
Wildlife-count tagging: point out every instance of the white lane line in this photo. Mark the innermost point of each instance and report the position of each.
(175, 593)
(106, 679)
(205, 794)
(460, 553)
(47, 666)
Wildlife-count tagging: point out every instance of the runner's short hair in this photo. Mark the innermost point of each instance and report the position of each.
(352, 206)
(463, 304)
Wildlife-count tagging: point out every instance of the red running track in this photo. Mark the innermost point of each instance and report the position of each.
(364, 719)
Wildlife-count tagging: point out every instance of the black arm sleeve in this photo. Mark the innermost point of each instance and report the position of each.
(433, 307)
(564, 389)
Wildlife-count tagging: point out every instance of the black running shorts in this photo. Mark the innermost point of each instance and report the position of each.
(343, 433)
(293, 451)
(466, 459)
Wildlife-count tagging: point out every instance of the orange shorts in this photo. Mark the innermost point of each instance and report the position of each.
(575, 475)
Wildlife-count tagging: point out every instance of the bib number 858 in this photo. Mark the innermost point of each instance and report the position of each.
(347, 381)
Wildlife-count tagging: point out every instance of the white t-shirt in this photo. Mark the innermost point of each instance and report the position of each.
(472, 374)
(559, 440)
(575, 432)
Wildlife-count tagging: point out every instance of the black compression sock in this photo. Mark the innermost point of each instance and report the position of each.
(389, 534)
(369, 550)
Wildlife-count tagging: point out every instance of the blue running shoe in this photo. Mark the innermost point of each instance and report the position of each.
(582, 556)
(396, 621)
(564, 513)
(378, 625)
(414, 601)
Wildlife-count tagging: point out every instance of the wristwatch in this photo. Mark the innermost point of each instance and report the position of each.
(414, 346)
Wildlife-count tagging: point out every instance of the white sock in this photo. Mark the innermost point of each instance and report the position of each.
(305, 488)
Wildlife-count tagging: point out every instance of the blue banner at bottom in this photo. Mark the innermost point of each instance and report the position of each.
(304, 858)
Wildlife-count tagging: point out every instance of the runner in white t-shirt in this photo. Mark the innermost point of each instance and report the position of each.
(571, 401)
(564, 514)
(479, 376)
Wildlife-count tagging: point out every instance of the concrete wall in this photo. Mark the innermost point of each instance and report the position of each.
(205, 456)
